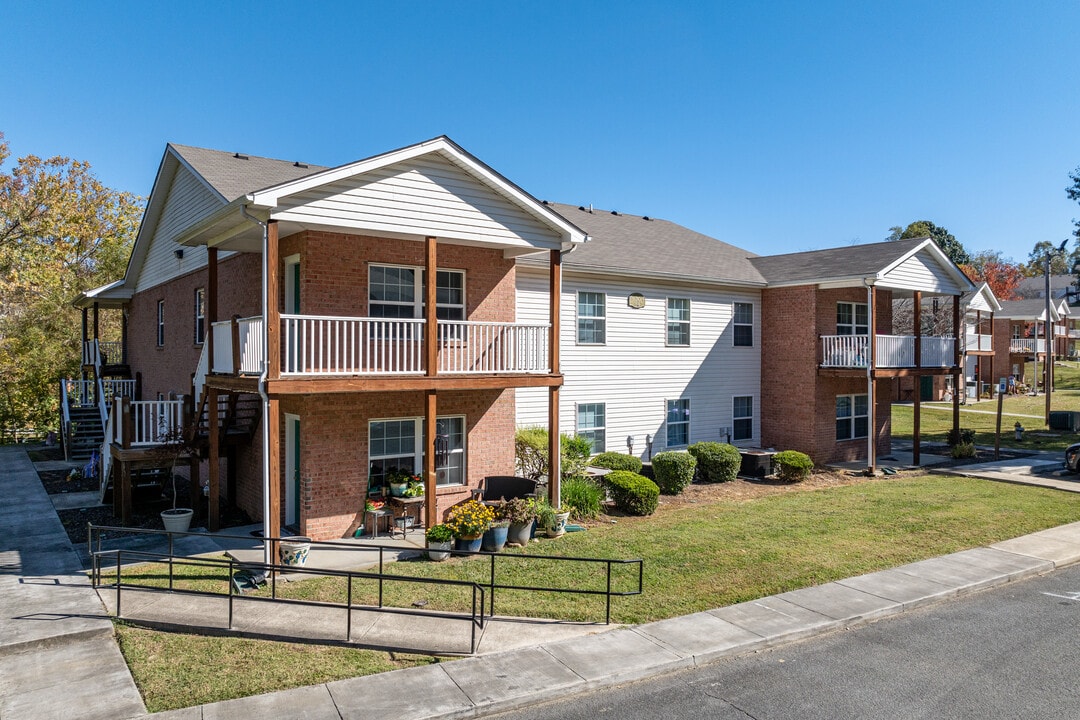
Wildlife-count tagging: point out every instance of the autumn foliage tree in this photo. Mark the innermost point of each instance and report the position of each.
(1002, 276)
(61, 232)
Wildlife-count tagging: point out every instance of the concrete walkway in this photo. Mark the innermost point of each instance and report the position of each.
(58, 659)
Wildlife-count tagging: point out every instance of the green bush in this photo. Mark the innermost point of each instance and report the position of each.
(792, 465)
(616, 461)
(717, 462)
(633, 494)
(673, 470)
(965, 437)
(583, 496)
(531, 453)
(963, 450)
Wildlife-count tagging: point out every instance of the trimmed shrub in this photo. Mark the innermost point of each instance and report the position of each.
(633, 494)
(617, 461)
(792, 465)
(717, 462)
(583, 496)
(963, 450)
(673, 470)
(531, 453)
(966, 437)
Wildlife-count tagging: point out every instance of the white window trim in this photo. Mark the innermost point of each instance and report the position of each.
(735, 324)
(668, 322)
(418, 445)
(418, 289)
(200, 315)
(667, 424)
(579, 429)
(578, 317)
(854, 325)
(853, 416)
(735, 417)
(160, 323)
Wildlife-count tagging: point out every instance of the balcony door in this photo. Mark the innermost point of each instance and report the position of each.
(292, 470)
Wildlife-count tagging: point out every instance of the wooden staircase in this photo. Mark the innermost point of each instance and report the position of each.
(238, 416)
(87, 434)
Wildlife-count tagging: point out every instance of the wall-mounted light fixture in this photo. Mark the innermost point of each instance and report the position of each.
(179, 253)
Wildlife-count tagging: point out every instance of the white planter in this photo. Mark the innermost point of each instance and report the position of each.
(294, 550)
(178, 520)
(439, 551)
(560, 525)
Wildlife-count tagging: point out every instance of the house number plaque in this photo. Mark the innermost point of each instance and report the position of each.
(636, 301)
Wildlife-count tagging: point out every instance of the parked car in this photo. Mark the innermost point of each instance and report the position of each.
(1072, 458)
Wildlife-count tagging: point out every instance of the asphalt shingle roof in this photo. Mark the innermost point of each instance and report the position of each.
(1020, 309)
(637, 244)
(833, 263)
(235, 176)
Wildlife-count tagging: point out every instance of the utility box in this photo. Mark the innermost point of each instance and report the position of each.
(1068, 420)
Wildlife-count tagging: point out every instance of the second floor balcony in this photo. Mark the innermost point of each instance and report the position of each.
(342, 346)
(890, 351)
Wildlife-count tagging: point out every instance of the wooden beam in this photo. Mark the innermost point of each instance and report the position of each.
(273, 420)
(431, 323)
(242, 383)
(97, 323)
(211, 308)
(554, 296)
(431, 509)
(313, 384)
(214, 435)
(273, 301)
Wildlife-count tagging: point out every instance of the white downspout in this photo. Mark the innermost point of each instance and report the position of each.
(267, 556)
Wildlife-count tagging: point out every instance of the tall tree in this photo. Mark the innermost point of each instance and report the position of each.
(61, 232)
(1060, 263)
(1073, 193)
(944, 239)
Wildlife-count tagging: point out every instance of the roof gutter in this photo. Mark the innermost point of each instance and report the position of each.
(267, 557)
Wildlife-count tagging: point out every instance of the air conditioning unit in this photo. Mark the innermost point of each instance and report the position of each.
(1068, 420)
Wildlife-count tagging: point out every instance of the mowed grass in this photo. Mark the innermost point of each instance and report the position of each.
(695, 558)
(936, 418)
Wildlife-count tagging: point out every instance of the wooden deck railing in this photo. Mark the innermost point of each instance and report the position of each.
(891, 351)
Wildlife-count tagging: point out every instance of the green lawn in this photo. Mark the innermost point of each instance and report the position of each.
(936, 418)
(696, 557)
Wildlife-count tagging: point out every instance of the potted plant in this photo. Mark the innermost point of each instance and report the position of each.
(173, 443)
(400, 482)
(440, 539)
(414, 488)
(521, 513)
(552, 519)
(494, 539)
(293, 550)
(468, 520)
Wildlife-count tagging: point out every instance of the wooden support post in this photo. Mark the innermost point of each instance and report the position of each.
(124, 491)
(97, 322)
(273, 420)
(214, 436)
(554, 455)
(916, 410)
(431, 326)
(554, 294)
(871, 376)
(273, 303)
(211, 304)
(235, 332)
(124, 336)
(431, 509)
(82, 347)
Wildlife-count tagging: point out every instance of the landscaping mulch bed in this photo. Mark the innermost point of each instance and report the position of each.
(62, 481)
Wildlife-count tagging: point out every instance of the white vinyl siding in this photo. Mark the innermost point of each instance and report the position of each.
(422, 196)
(635, 371)
(922, 271)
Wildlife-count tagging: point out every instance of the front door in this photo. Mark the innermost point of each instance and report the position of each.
(292, 470)
(926, 388)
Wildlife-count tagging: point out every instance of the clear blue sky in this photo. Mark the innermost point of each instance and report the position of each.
(777, 126)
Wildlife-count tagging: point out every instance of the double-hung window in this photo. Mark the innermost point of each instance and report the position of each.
(678, 422)
(678, 321)
(743, 324)
(161, 323)
(398, 292)
(852, 318)
(397, 445)
(852, 417)
(591, 422)
(742, 417)
(591, 318)
(200, 315)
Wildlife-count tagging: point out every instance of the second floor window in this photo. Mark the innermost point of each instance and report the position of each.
(591, 318)
(743, 320)
(678, 321)
(161, 323)
(398, 292)
(200, 315)
(852, 319)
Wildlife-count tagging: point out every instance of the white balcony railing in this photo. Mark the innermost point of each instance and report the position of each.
(111, 351)
(1026, 345)
(492, 347)
(329, 345)
(975, 342)
(891, 351)
(79, 392)
(153, 422)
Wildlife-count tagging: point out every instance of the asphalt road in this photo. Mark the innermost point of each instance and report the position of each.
(1009, 652)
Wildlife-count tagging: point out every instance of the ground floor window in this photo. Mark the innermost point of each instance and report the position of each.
(591, 422)
(678, 422)
(742, 416)
(398, 445)
(852, 417)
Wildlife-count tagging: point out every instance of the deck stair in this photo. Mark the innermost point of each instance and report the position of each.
(87, 433)
(238, 417)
